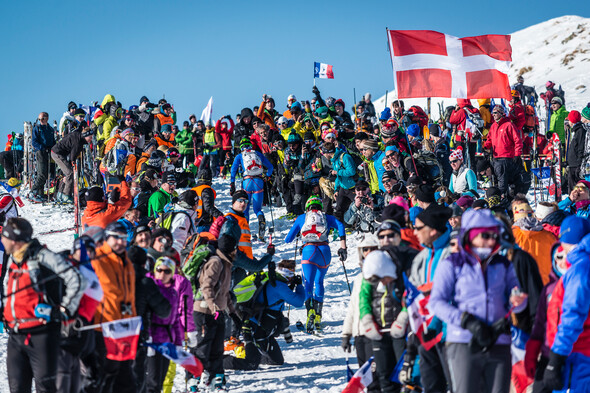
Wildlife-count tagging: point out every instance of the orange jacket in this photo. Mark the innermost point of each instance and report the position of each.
(265, 116)
(117, 279)
(111, 143)
(164, 119)
(245, 243)
(169, 143)
(102, 213)
(538, 244)
(143, 158)
(408, 236)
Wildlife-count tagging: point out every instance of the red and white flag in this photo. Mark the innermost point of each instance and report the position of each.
(361, 379)
(431, 64)
(121, 338)
(92, 295)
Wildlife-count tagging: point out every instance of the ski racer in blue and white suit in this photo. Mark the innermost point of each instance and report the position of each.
(314, 227)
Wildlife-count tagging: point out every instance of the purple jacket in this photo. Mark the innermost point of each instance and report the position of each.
(168, 329)
(185, 290)
(460, 285)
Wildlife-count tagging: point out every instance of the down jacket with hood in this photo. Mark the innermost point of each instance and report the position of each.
(463, 284)
(104, 119)
(102, 213)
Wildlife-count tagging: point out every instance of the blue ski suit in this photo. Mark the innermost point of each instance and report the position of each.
(253, 185)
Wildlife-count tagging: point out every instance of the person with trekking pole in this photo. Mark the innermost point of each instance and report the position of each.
(314, 227)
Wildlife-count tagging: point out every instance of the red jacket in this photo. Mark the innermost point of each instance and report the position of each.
(504, 139)
(225, 133)
(517, 116)
(459, 117)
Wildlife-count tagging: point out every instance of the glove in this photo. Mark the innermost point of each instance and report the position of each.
(405, 374)
(346, 346)
(232, 188)
(399, 326)
(43, 310)
(369, 328)
(315, 90)
(533, 348)
(192, 339)
(482, 333)
(228, 117)
(297, 280)
(342, 254)
(270, 250)
(272, 274)
(553, 376)
(115, 196)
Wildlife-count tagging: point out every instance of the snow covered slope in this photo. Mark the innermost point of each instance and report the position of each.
(556, 50)
(312, 364)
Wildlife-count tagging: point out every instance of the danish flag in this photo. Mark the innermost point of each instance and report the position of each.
(431, 64)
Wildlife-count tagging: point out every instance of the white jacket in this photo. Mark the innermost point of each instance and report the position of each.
(182, 226)
(352, 319)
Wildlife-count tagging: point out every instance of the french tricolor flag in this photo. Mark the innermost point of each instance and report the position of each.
(121, 338)
(322, 71)
(180, 357)
(361, 379)
(92, 295)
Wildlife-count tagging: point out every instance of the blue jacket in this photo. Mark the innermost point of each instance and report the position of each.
(332, 222)
(460, 285)
(378, 162)
(570, 207)
(43, 137)
(130, 227)
(239, 164)
(280, 294)
(573, 331)
(345, 168)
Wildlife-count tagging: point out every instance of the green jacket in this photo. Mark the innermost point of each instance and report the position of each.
(157, 201)
(184, 141)
(557, 119)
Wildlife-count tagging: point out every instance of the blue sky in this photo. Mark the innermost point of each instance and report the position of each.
(57, 51)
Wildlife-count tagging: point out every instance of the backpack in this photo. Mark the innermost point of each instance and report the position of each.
(191, 266)
(252, 163)
(315, 227)
(247, 291)
(165, 219)
(530, 117)
(477, 123)
(192, 243)
(427, 166)
(419, 116)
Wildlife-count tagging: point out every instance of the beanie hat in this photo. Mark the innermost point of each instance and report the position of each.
(140, 229)
(79, 112)
(434, 130)
(309, 136)
(143, 99)
(166, 262)
(480, 204)
(155, 160)
(165, 128)
(456, 154)
(227, 243)
(388, 175)
(169, 178)
(115, 228)
(149, 144)
(465, 201)
(573, 229)
(95, 194)
(543, 211)
(370, 144)
(396, 213)
(585, 183)
(162, 232)
(137, 255)
(189, 197)
(399, 201)
(522, 210)
(574, 117)
(95, 232)
(360, 184)
(413, 130)
(294, 138)
(557, 100)
(456, 209)
(386, 114)
(500, 109)
(389, 225)
(14, 182)
(89, 131)
(150, 174)
(436, 217)
(586, 113)
(127, 131)
(387, 131)
(240, 194)
(398, 188)
(424, 193)
(18, 229)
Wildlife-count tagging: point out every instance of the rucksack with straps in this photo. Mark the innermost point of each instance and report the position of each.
(165, 219)
(315, 227)
(252, 163)
(530, 117)
(191, 267)
(247, 292)
(477, 123)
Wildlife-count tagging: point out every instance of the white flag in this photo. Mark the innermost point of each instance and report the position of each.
(207, 112)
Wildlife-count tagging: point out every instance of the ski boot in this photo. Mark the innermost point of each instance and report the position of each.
(318, 316)
(261, 227)
(219, 384)
(193, 384)
(309, 324)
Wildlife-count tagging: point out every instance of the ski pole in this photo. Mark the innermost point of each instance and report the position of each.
(346, 275)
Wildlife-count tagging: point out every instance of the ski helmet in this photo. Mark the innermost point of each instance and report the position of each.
(245, 144)
(88, 242)
(557, 100)
(314, 200)
(515, 93)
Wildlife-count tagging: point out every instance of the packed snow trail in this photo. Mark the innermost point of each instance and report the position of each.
(312, 363)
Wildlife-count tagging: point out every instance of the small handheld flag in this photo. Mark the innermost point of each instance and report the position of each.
(322, 71)
(180, 357)
(121, 338)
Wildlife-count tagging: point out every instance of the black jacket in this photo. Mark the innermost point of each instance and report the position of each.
(210, 212)
(576, 151)
(148, 298)
(70, 146)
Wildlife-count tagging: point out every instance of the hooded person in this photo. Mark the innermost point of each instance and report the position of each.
(475, 312)
(100, 211)
(530, 235)
(243, 129)
(205, 205)
(568, 318)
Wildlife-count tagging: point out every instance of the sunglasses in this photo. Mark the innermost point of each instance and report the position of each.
(389, 155)
(419, 228)
(454, 161)
(361, 188)
(497, 113)
(165, 271)
(489, 235)
(453, 244)
(242, 200)
(388, 236)
(387, 180)
(119, 236)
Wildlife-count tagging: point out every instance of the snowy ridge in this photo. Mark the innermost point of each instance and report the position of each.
(312, 363)
(555, 50)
